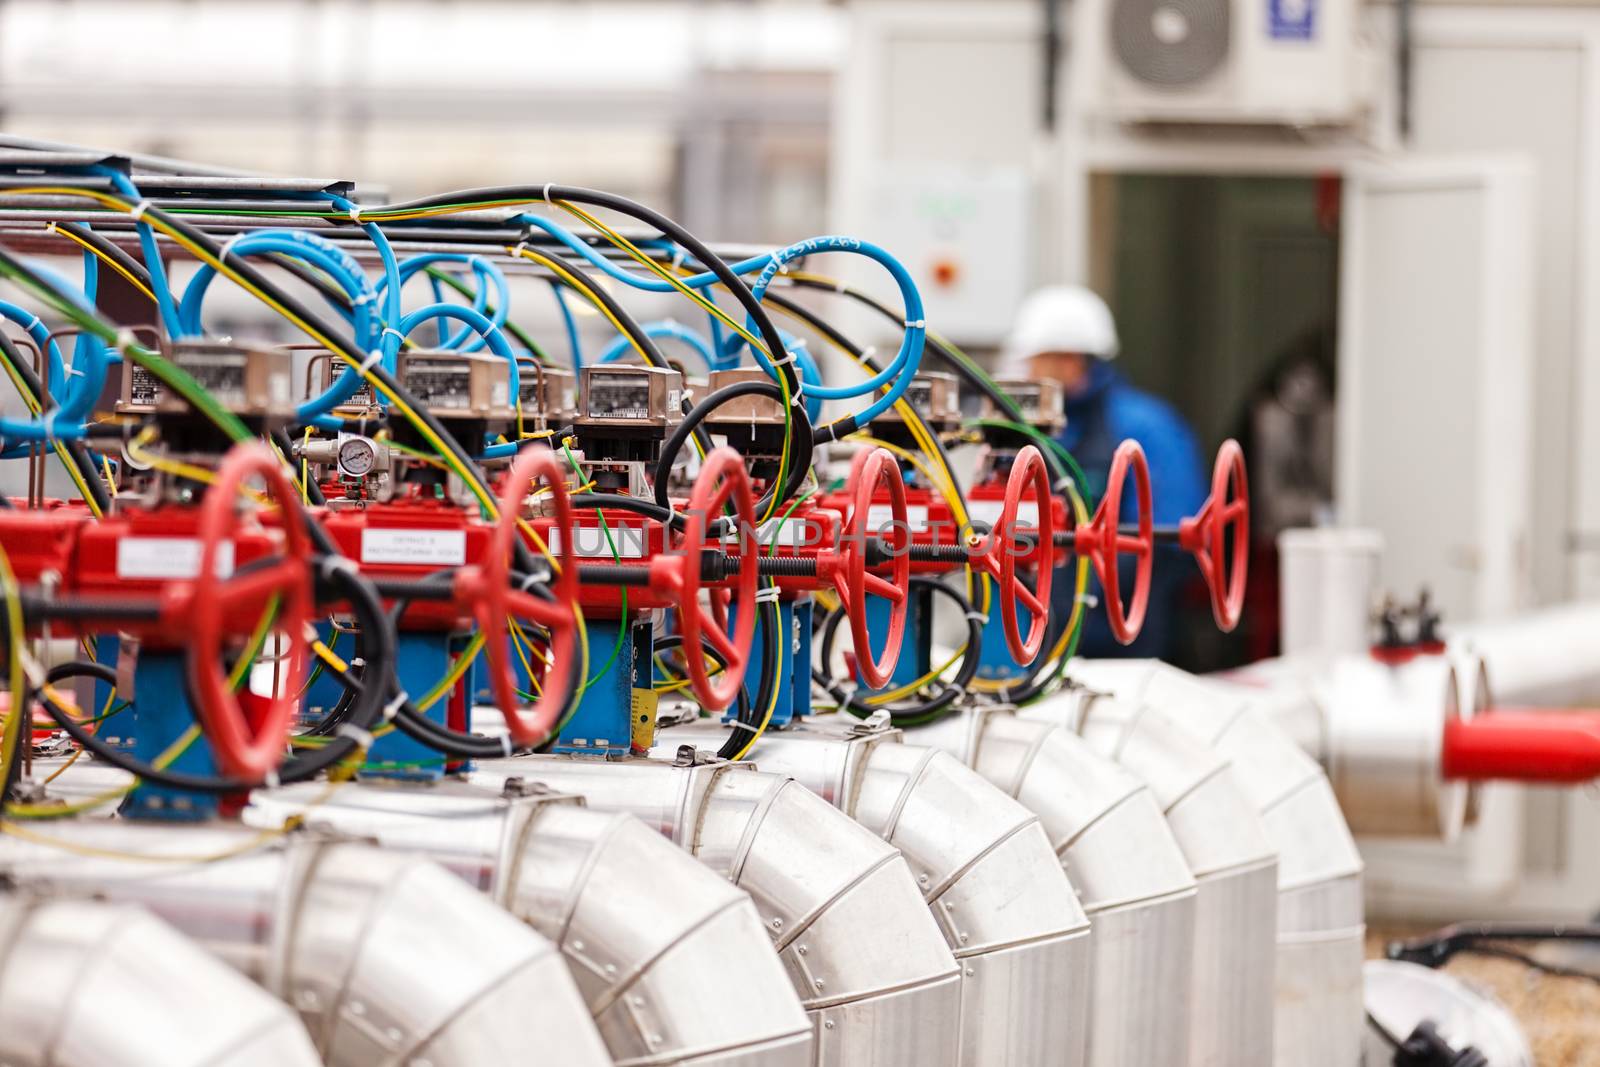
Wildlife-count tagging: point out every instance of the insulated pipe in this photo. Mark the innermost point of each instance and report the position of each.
(985, 867)
(1378, 728)
(388, 959)
(1545, 659)
(841, 907)
(1321, 927)
(87, 984)
(1226, 847)
(1119, 852)
(670, 958)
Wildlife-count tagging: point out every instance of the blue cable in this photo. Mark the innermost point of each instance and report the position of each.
(332, 260)
(638, 281)
(571, 324)
(57, 423)
(900, 371)
(907, 360)
(669, 328)
(72, 391)
(148, 248)
(475, 321)
(466, 339)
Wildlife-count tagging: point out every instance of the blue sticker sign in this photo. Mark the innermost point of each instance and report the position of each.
(1292, 20)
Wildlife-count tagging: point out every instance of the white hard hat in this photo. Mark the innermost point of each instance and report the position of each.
(1060, 318)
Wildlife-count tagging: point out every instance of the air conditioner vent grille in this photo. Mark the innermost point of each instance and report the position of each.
(1170, 43)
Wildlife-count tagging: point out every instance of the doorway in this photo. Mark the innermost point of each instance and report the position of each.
(1225, 291)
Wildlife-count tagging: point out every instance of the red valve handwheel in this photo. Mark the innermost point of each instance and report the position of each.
(722, 478)
(494, 602)
(240, 751)
(1029, 466)
(1103, 541)
(1205, 535)
(869, 471)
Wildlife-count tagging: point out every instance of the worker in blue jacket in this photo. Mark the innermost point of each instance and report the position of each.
(1067, 333)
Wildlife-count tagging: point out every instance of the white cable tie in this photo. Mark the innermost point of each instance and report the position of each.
(74, 372)
(677, 256)
(1088, 600)
(227, 246)
(365, 298)
(387, 330)
(49, 227)
(738, 724)
(355, 214)
(36, 321)
(767, 594)
(139, 209)
(391, 709)
(788, 358)
(505, 745)
(357, 661)
(362, 738)
(126, 338)
(916, 324)
(518, 248)
(531, 580)
(270, 780)
(547, 199)
(868, 352)
(373, 359)
(981, 618)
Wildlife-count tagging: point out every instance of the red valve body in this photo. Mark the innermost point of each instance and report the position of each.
(1531, 745)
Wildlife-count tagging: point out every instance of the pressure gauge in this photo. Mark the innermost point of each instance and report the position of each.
(358, 457)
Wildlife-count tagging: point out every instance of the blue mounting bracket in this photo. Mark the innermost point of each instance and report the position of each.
(603, 725)
(421, 659)
(160, 716)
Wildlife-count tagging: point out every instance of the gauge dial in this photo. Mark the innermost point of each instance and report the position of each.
(357, 457)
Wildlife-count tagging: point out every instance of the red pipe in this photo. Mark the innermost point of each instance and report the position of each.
(1510, 744)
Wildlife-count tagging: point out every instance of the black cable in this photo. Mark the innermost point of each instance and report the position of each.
(802, 446)
(672, 641)
(622, 205)
(822, 326)
(416, 725)
(927, 711)
(108, 249)
(666, 226)
(366, 713)
(939, 344)
(344, 345)
(765, 685)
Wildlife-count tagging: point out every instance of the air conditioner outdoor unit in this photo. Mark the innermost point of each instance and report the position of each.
(1275, 62)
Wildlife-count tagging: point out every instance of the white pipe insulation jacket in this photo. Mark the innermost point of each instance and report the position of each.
(1377, 728)
(1548, 658)
(985, 866)
(1320, 925)
(85, 984)
(1226, 846)
(840, 906)
(1120, 854)
(387, 958)
(653, 938)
